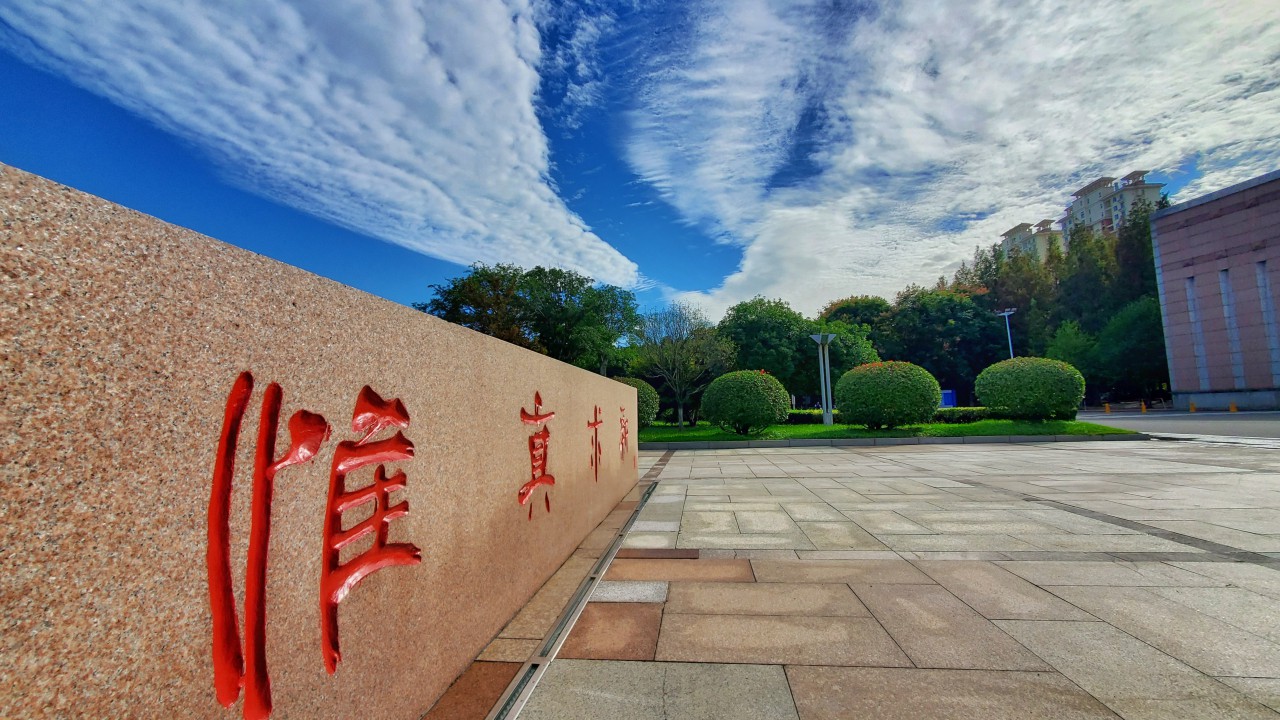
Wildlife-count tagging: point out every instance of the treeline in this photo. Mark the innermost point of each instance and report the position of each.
(1094, 307)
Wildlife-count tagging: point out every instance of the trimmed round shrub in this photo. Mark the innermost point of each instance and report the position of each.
(887, 394)
(1031, 389)
(745, 401)
(646, 400)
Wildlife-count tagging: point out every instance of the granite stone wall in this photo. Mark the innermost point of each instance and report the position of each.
(123, 339)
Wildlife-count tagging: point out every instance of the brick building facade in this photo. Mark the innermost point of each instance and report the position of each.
(1218, 271)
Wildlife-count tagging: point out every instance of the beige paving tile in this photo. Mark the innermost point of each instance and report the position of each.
(707, 570)
(766, 522)
(1112, 665)
(956, 543)
(840, 536)
(1263, 690)
(847, 555)
(1251, 577)
(776, 639)
(886, 522)
(708, 522)
(510, 649)
(842, 571)
(649, 540)
(997, 593)
(813, 512)
(937, 630)
(1132, 574)
(1245, 609)
(755, 541)
(1252, 542)
(1225, 708)
(1067, 542)
(831, 693)
(1205, 643)
(809, 599)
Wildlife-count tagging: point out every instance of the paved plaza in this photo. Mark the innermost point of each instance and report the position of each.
(1069, 580)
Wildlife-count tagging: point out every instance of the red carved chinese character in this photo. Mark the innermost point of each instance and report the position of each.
(307, 432)
(594, 426)
(372, 416)
(539, 443)
(624, 432)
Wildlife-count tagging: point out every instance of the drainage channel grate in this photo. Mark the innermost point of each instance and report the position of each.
(521, 688)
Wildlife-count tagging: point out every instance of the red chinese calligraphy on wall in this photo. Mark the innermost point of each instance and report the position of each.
(624, 433)
(234, 665)
(539, 444)
(594, 427)
(372, 416)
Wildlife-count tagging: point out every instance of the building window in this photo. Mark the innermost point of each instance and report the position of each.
(1269, 319)
(1197, 334)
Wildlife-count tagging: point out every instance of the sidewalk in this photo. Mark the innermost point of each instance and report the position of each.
(1139, 580)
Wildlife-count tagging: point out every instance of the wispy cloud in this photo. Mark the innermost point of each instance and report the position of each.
(410, 121)
(923, 112)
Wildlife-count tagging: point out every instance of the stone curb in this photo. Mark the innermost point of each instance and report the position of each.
(886, 442)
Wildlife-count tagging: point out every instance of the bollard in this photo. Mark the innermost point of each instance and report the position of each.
(1143, 404)
(1192, 408)
(1232, 408)
(1106, 408)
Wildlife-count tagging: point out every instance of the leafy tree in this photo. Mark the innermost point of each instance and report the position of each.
(560, 313)
(1130, 351)
(485, 300)
(681, 347)
(866, 310)
(1023, 283)
(767, 334)
(849, 349)
(946, 333)
(1135, 261)
(1075, 347)
(1084, 289)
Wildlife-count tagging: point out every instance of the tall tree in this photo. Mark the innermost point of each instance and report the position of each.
(767, 334)
(1085, 286)
(1130, 352)
(856, 310)
(681, 347)
(946, 333)
(849, 349)
(1135, 259)
(1026, 284)
(486, 300)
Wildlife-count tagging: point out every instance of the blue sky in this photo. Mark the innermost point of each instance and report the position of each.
(698, 150)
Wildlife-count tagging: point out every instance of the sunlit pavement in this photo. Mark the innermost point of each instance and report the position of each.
(1071, 580)
(1214, 424)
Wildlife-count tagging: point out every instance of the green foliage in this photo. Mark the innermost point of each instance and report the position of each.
(486, 300)
(1135, 259)
(1088, 275)
(810, 417)
(646, 400)
(849, 349)
(680, 347)
(866, 310)
(1130, 351)
(1074, 347)
(887, 394)
(1031, 389)
(559, 313)
(745, 401)
(960, 415)
(767, 334)
(946, 333)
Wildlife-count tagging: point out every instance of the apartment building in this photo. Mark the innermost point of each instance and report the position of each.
(1218, 272)
(1030, 240)
(1103, 204)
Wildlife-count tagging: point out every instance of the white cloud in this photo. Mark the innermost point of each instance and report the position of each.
(933, 111)
(413, 122)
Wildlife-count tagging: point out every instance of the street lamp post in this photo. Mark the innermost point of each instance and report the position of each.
(824, 373)
(1008, 333)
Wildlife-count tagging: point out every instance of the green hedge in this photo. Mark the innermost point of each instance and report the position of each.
(960, 415)
(809, 417)
(1031, 389)
(745, 401)
(646, 400)
(887, 394)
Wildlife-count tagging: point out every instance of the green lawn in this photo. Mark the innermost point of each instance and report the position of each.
(660, 432)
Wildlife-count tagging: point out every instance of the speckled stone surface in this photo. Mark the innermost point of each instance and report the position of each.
(123, 335)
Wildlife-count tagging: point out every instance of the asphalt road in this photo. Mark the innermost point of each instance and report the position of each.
(1238, 424)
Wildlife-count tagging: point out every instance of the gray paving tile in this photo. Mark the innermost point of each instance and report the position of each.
(840, 571)
(755, 541)
(620, 690)
(777, 639)
(937, 630)
(650, 591)
(830, 693)
(997, 593)
(1205, 643)
(1245, 609)
(813, 512)
(807, 599)
(649, 540)
(997, 543)
(1107, 573)
(840, 536)
(886, 522)
(1262, 690)
(1112, 665)
(766, 522)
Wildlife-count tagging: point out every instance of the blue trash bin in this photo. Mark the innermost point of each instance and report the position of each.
(948, 398)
